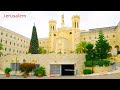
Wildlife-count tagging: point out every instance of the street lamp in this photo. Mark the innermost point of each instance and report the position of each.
(16, 65)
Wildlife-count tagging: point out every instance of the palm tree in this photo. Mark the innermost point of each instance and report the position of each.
(42, 50)
(81, 47)
(1, 48)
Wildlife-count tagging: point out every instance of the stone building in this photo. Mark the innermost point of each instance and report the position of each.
(63, 39)
(13, 43)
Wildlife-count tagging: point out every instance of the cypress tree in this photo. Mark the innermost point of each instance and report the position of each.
(34, 45)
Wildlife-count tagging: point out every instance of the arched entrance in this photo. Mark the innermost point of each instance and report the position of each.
(117, 47)
(110, 48)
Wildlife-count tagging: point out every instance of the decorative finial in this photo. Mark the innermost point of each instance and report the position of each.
(62, 23)
(34, 23)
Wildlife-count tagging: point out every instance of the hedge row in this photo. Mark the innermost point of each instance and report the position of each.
(91, 63)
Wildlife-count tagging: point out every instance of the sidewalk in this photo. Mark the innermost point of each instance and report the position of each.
(104, 73)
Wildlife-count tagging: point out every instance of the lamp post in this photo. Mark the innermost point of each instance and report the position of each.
(16, 66)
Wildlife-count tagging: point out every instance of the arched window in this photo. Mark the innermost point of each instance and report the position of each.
(53, 27)
(5, 49)
(75, 24)
(1, 40)
(113, 35)
(24, 61)
(6, 42)
(54, 34)
(1, 33)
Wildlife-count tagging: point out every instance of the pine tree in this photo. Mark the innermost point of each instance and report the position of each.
(102, 47)
(34, 45)
(90, 52)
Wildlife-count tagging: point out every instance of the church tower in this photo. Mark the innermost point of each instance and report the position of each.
(52, 30)
(75, 21)
(75, 30)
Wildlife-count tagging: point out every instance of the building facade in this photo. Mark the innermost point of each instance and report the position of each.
(64, 39)
(13, 43)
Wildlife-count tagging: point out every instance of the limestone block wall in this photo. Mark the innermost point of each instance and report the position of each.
(45, 60)
(98, 69)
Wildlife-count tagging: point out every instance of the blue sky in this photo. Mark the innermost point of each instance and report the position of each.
(88, 20)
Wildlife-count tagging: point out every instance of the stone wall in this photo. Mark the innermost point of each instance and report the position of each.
(45, 60)
(98, 69)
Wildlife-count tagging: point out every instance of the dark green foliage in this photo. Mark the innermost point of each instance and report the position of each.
(87, 71)
(89, 63)
(102, 47)
(7, 70)
(90, 52)
(34, 45)
(40, 70)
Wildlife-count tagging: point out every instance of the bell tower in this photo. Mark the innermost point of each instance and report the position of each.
(52, 29)
(75, 30)
(75, 21)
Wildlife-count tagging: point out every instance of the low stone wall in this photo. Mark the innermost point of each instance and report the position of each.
(45, 60)
(98, 69)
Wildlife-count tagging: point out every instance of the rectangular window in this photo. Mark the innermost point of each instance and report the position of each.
(37, 65)
(15, 66)
(54, 69)
(1, 33)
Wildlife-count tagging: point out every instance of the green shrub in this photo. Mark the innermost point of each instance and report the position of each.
(97, 62)
(8, 70)
(87, 71)
(40, 70)
(88, 63)
(106, 62)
